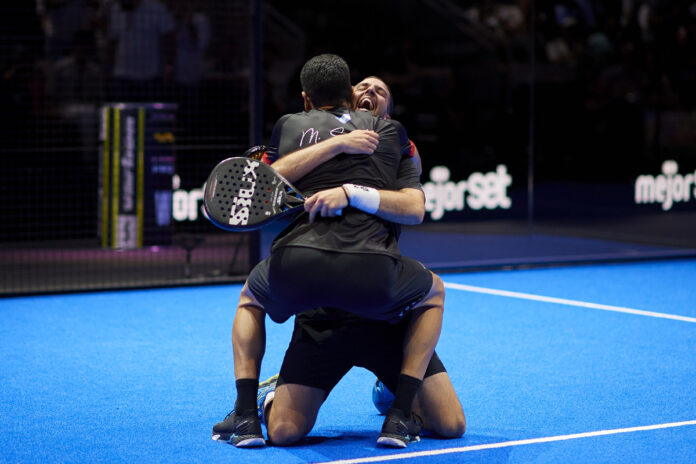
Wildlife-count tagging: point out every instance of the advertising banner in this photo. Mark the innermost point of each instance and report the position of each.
(137, 160)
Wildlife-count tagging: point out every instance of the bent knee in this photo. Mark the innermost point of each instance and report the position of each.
(438, 287)
(452, 428)
(285, 433)
(435, 299)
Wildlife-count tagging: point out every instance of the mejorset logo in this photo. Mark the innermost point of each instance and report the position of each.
(666, 188)
(480, 190)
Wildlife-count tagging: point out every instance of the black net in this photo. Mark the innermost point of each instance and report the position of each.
(548, 131)
(115, 113)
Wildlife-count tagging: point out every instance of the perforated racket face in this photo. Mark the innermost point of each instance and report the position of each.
(243, 194)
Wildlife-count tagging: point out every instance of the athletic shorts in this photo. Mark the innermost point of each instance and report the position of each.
(318, 360)
(294, 279)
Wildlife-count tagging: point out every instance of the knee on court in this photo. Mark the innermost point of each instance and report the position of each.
(284, 432)
(452, 426)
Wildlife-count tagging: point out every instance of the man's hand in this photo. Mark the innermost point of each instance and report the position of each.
(327, 203)
(359, 142)
(296, 165)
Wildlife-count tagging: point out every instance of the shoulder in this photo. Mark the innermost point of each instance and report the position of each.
(394, 125)
(283, 120)
(362, 116)
(278, 129)
(392, 128)
(361, 119)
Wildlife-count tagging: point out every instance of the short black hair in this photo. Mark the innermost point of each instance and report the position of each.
(326, 80)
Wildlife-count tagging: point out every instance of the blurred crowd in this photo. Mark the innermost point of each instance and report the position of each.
(589, 88)
(96, 49)
(61, 59)
(451, 63)
(461, 70)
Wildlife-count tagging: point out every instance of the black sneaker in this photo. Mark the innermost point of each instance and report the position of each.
(240, 430)
(398, 430)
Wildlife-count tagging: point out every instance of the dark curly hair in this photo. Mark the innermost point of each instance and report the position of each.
(326, 80)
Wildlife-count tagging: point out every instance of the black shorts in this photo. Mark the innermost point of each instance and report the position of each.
(322, 352)
(294, 279)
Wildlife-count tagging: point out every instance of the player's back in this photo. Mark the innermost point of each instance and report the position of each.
(354, 230)
(378, 170)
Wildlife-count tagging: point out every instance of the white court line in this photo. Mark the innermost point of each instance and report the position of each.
(583, 304)
(505, 444)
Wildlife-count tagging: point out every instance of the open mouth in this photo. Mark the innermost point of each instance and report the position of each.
(366, 103)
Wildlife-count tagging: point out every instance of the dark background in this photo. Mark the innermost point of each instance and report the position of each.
(577, 98)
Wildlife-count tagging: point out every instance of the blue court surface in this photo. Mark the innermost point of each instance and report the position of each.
(586, 364)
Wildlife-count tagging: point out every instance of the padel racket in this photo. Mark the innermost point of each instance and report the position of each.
(244, 193)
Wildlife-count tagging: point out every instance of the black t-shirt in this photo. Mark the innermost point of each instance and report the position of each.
(389, 167)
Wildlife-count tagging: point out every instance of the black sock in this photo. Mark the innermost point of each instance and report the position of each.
(406, 390)
(246, 395)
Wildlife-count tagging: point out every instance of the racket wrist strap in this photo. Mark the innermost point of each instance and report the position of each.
(363, 198)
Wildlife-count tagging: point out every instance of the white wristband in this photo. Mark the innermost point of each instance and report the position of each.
(363, 198)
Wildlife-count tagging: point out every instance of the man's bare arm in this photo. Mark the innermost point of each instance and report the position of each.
(297, 164)
(405, 206)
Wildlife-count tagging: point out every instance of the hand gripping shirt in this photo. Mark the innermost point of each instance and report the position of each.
(389, 168)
